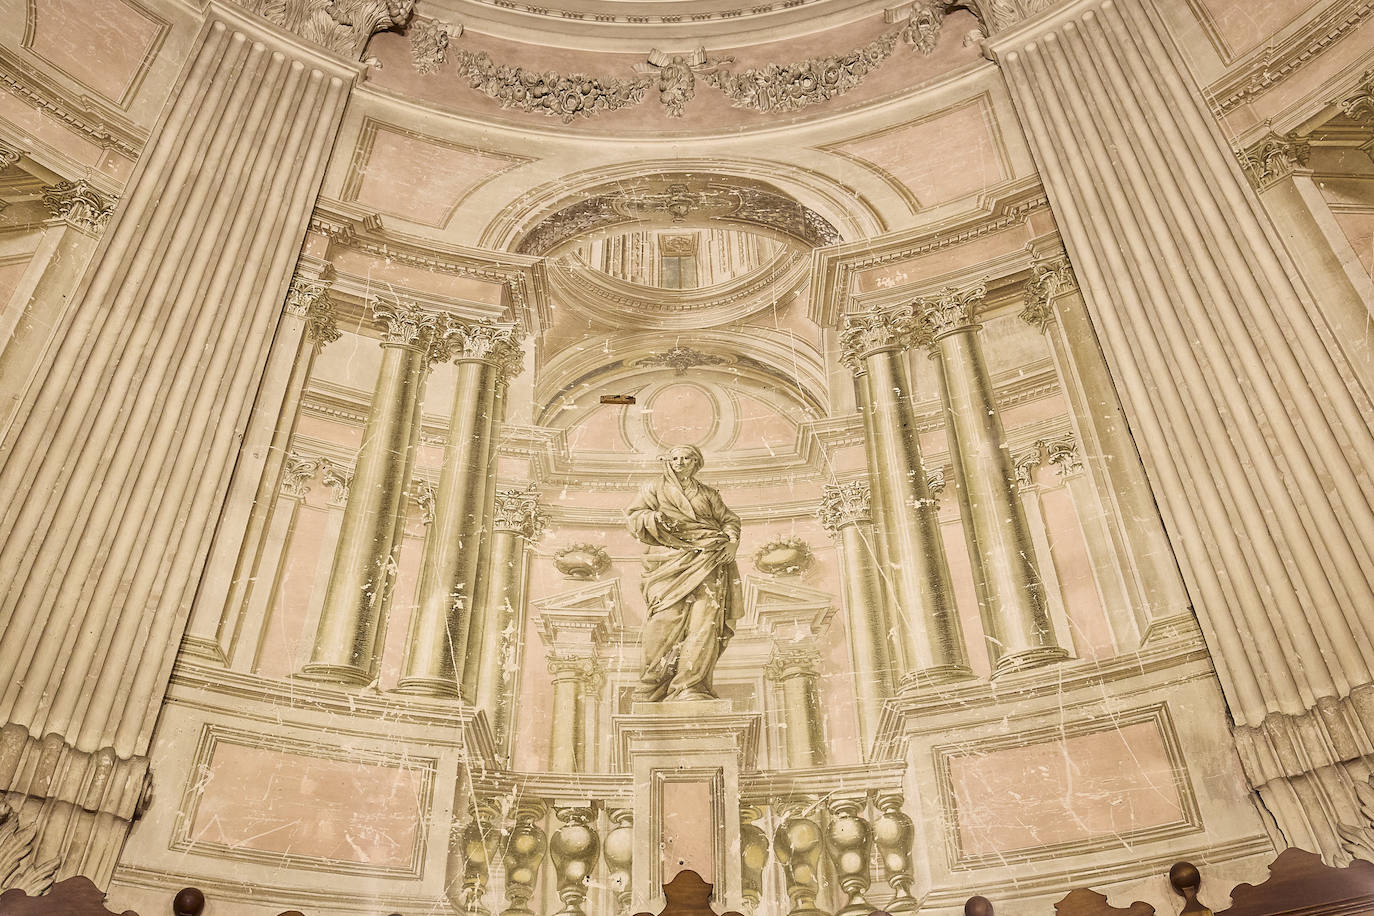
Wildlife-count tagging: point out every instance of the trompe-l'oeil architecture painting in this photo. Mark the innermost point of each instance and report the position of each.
(465, 456)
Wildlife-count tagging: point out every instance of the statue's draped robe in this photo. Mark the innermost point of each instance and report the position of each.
(691, 585)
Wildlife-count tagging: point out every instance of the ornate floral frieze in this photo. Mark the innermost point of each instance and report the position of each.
(429, 41)
(845, 504)
(784, 556)
(950, 310)
(1048, 279)
(674, 76)
(922, 28)
(404, 323)
(18, 848)
(341, 26)
(789, 87)
(297, 473)
(79, 204)
(566, 96)
(581, 561)
(681, 358)
(1273, 157)
(517, 509)
(879, 329)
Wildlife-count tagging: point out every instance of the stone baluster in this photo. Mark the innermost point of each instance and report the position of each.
(1011, 596)
(1258, 447)
(849, 843)
(619, 855)
(516, 520)
(795, 667)
(526, 844)
(893, 834)
(845, 514)
(753, 852)
(915, 579)
(573, 849)
(1133, 563)
(232, 603)
(477, 844)
(144, 395)
(797, 845)
(486, 354)
(364, 559)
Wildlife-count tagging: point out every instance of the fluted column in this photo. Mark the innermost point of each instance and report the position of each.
(1257, 447)
(916, 583)
(1133, 562)
(144, 398)
(1011, 597)
(364, 568)
(795, 667)
(437, 650)
(39, 311)
(493, 639)
(845, 514)
(526, 844)
(222, 614)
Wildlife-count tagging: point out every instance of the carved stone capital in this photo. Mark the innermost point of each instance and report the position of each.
(1359, 105)
(845, 504)
(492, 342)
(1272, 158)
(79, 204)
(404, 324)
(18, 849)
(423, 493)
(9, 155)
(297, 473)
(1063, 454)
(793, 659)
(308, 298)
(865, 333)
(585, 668)
(517, 509)
(1025, 464)
(341, 26)
(1048, 279)
(936, 481)
(337, 479)
(951, 311)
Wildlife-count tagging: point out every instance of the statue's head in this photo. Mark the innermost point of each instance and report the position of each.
(684, 461)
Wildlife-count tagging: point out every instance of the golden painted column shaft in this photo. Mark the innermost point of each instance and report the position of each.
(1011, 596)
(494, 637)
(916, 583)
(364, 564)
(436, 648)
(795, 667)
(845, 514)
(573, 677)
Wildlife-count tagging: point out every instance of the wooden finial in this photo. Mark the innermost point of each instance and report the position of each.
(978, 906)
(189, 901)
(1186, 880)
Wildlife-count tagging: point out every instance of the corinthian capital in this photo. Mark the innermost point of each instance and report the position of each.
(342, 26)
(9, 155)
(517, 509)
(1272, 158)
(1048, 279)
(793, 659)
(309, 299)
(493, 342)
(403, 324)
(1359, 105)
(844, 504)
(870, 332)
(951, 310)
(79, 204)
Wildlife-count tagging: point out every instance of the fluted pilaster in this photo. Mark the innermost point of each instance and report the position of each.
(1011, 596)
(916, 583)
(438, 648)
(1255, 443)
(845, 513)
(143, 397)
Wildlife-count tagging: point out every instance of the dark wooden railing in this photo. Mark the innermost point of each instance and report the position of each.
(1299, 884)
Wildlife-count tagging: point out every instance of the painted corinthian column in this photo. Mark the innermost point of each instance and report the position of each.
(845, 514)
(364, 571)
(1011, 595)
(487, 355)
(143, 400)
(915, 577)
(1258, 451)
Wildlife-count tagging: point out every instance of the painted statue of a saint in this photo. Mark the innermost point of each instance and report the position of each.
(691, 583)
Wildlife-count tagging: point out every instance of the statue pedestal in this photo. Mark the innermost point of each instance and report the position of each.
(686, 758)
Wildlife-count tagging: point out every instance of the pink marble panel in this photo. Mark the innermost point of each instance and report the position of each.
(11, 270)
(261, 799)
(1092, 635)
(102, 44)
(688, 831)
(1240, 25)
(1359, 229)
(1103, 784)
